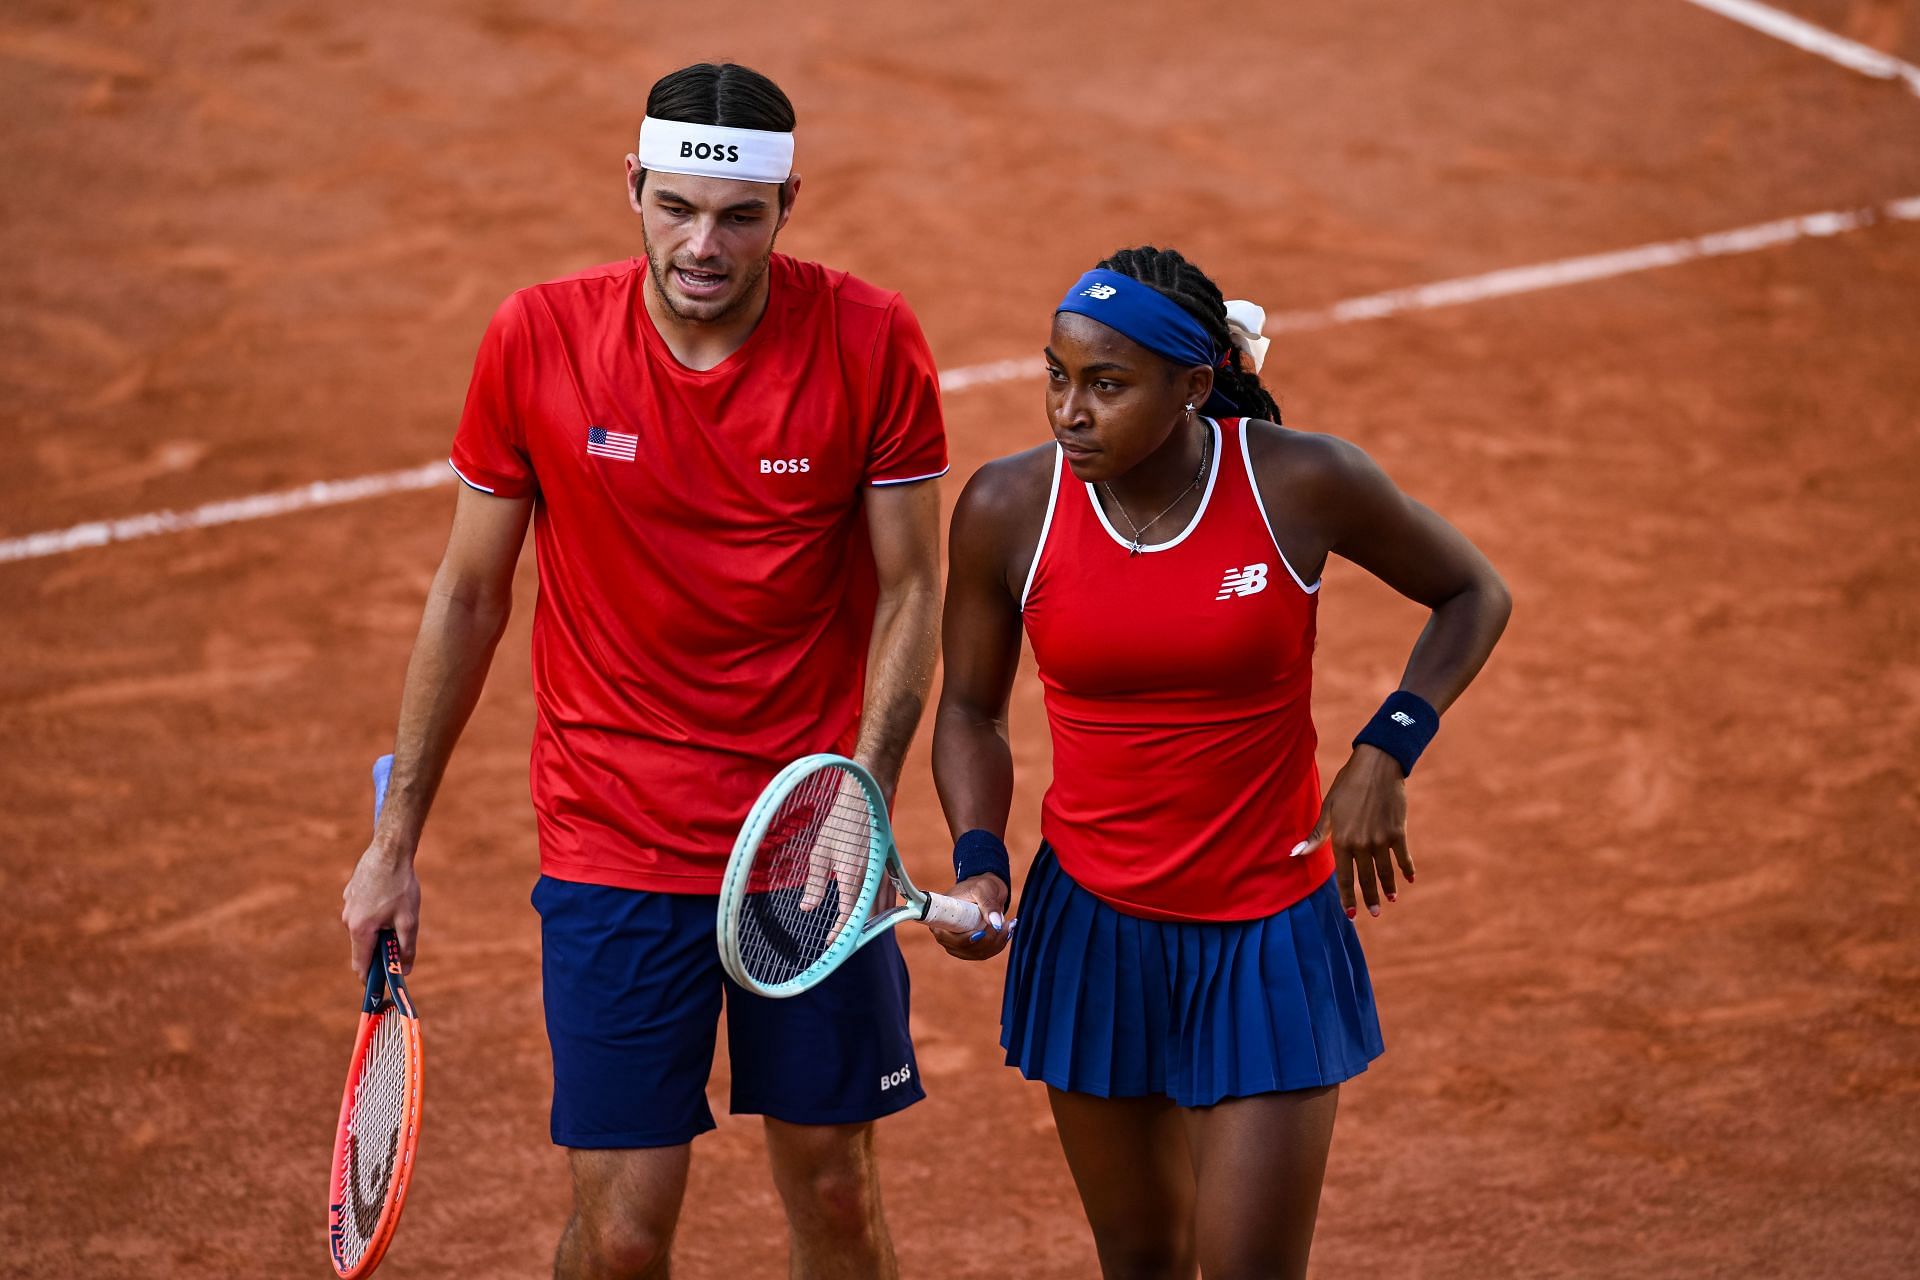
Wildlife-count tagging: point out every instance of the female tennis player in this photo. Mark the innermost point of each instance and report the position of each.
(1186, 977)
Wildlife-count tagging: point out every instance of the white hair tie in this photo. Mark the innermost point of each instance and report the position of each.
(1244, 322)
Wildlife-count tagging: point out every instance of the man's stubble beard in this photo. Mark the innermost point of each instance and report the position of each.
(658, 270)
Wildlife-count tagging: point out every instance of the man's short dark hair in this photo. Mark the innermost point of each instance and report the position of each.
(721, 93)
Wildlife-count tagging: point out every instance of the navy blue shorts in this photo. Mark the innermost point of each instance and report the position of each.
(1105, 1003)
(633, 995)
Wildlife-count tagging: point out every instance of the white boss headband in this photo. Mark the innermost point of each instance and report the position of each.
(710, 151)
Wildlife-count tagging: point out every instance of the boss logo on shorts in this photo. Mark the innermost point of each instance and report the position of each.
(710, 151)
(1248, 581)
(785, 466)
(894, 1079)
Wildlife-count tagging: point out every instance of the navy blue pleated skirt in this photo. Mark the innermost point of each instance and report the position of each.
(1119, 1006)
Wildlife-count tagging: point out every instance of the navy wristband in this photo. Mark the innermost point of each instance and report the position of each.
(979, 852)
(1402, 727)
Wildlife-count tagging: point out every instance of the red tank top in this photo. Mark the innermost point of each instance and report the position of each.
(1178, 688)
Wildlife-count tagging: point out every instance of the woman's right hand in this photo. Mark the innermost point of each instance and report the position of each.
(989, 893)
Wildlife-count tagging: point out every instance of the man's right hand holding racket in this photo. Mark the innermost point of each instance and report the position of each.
(384, 892)
(826, 867)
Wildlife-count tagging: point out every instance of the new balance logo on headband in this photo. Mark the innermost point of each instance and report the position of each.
(1099, 292)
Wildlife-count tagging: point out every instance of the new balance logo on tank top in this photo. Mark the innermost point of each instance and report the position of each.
(706, 587)
(1178, 686)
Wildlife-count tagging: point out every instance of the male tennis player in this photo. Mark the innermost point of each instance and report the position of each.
(730, 461)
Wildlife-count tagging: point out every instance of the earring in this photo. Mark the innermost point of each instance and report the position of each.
(1189, 406)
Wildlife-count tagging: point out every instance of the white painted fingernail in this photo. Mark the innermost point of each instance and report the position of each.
(1299, 849)
(996, 920)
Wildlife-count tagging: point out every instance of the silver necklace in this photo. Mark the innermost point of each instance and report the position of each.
(1140, 530)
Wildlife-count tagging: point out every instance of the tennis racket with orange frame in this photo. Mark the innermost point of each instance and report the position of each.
(380, 1110)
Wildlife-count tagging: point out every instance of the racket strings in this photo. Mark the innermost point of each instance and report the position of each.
(375, 1127)
(820, 837)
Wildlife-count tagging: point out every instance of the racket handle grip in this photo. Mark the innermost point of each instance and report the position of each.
(952, 913)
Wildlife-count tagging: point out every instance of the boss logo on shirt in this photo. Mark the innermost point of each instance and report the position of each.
(785, 466)
(710, 151)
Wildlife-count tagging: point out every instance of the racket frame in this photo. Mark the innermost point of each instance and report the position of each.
(862, 926)
(386, 997)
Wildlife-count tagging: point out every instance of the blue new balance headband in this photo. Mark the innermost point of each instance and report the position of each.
(1150, 318)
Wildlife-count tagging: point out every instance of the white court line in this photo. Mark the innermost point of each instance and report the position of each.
(333, 493)
(1598, 266)
(981, 375)
(1802, 34)
(1445, 293)
(321, 493)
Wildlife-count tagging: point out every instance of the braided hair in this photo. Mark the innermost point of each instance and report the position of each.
(1187, 285)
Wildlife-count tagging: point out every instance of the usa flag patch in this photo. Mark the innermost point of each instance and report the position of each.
(618, 445)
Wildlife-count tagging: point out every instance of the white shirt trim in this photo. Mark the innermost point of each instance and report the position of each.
(463, 480)
(1053, 496)
(931, 475)
(1213, 473)
(1260, 505)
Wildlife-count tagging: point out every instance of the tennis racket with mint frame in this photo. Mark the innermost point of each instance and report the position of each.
(803, 884)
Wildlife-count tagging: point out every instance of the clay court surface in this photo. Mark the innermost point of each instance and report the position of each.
(1654, 1007)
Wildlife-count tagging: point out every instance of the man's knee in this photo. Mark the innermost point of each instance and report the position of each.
(625, 1205)
(629, 1248)
(827, 1177)
(844, 1200)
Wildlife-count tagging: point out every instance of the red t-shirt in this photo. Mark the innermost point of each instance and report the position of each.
(1178, 685)
(706, 586)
